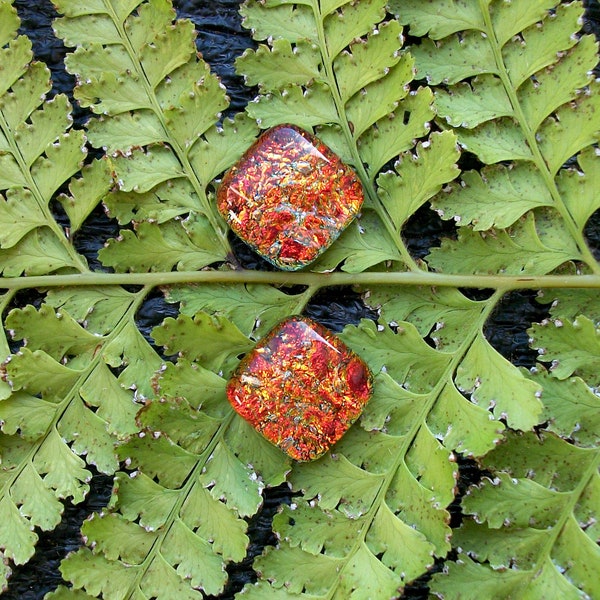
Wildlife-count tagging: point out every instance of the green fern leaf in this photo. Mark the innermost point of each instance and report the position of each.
(365, 243)
(62, 593)
(468, 427)
(573, 348)
(250, 448)
(38, 373)
(38, 153)
(354, 21)
(129, 351)
(103, 577)
(161, 204)
(15, 528)
(533, 518)
(187, 245)
(369, 61)
(211, 340)
(396, 133)
(434, 162)
(373, 59)
(281, 21)
(357, 97)
(201, 387)
(569, 304)
(5, 391)
(480, 374)
(159, 103)
(493, 381)
(513, 192)
(65, 403)
(40, 252)
(439, 19)
(406, 357)
(249, 307)
(534, 246)
(185, 501)
(531, 102)
(576, 187)
(264, 67)
(379, 98)
(97, 308)
(85, 193)
(570, 407)
(359, 517)
(26, 415)
(56, 334)
(438, 313)
(383, 485)
(307, 109)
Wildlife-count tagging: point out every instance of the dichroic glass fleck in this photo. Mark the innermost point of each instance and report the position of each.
(289, 197)
(301, 387)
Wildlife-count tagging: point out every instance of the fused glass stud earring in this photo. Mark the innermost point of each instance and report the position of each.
(301, 387)
(289, 197)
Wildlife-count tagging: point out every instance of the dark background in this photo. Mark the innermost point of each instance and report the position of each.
(220, 40)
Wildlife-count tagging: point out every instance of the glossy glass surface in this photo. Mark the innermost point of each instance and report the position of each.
(289, 197)
(301, 387)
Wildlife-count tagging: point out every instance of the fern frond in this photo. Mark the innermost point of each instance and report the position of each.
(517, 89)
(192, 482)
(364, 506)
(524, 517)
(385, 486)
(158, 103)
(65, 404)
(364, 244)
(535, 245)
(44, 427)
(510, 82)
(39, 152)
(342, 71)
(530, 529)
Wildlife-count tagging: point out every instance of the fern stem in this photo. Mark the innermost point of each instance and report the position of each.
(314, 280)
(176, 147)
(586, 254)
(5, 301)
(380, 209)
(305, 298)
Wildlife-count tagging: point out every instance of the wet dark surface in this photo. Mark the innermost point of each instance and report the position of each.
(220, 39)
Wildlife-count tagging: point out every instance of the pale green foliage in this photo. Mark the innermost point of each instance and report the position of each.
(340, 74)
(193, 483)
(157, 100)
(38, 153)
(510, 82)
(537, 517)
(529, 105)
(47, 414)
(533, 528)
(251, 307)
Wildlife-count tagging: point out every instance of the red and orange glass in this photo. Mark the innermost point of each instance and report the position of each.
(301, 387)
(289, 197)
